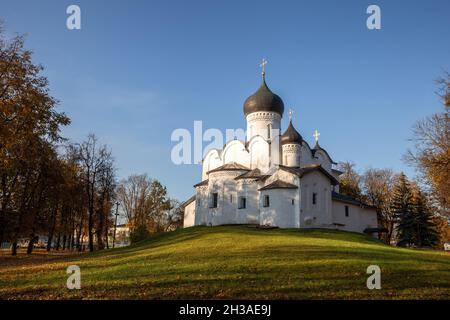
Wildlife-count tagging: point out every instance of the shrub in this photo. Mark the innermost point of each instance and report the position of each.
(139, 234)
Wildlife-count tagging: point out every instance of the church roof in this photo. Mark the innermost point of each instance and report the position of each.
(231, 166)
(317, 147)
(254, 174)
(291, 135)
(263, 100)
(203, 183)
(188, 201)
(301, 171)
(279, 184)
(347, 199)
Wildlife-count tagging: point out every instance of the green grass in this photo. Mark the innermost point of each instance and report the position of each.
(236, 262)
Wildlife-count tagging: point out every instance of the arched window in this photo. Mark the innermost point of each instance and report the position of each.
(269, 129)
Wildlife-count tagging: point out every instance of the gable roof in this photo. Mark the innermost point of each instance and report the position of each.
(202, 183)
(279, 184)
(253, 174)
(231, 166)
(347, 199)
(317, 147)
(187, 202)
(301, 171)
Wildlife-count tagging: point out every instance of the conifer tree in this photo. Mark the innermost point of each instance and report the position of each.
(402, 209)
(425, 229)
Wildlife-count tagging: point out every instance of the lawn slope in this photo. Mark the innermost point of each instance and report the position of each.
(236, 262)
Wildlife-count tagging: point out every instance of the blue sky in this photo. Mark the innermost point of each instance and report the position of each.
(137, 70)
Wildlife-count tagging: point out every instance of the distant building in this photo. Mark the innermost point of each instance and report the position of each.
(447, 246)
(122, 235)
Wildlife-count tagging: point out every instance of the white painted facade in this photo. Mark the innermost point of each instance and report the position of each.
(269, 182)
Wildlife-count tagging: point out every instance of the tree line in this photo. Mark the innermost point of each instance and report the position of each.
(50, 186)
(414, 213)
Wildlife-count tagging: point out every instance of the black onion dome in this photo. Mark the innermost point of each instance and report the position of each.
(291, 136)
(263, 100)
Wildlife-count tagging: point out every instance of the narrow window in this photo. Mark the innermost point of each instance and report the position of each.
(293, 201)
(214, 197)
(231, 198)
(242, 203)
(269, 127)
(314, 198)
(346, 211)
(266, 201)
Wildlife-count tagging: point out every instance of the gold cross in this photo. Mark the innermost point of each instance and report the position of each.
(290, 114)
(263, 65)
(316, 135)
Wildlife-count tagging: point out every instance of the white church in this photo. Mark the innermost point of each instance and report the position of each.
(273, 180)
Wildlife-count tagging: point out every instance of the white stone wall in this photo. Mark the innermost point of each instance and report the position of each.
(229, 191)
(306, 155)
(358, 218)
(282, 210)
(323, 160)
(259, 124)
(211, 161)
(291, 155)
(189, 215)
(259, 154)
(315, 215)
(235, 151)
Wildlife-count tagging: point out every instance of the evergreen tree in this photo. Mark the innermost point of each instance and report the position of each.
(402, 209)
(425, 229)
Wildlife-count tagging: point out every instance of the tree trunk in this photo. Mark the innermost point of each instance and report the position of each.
(100, 245)
(58, 241)
(106, 237)
(14, 248)
(90, 227)
(64, 242)
(33, 240)
(80, 229)
(51, 231)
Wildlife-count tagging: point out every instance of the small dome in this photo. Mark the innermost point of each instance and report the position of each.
(263, 100)
(291, 136)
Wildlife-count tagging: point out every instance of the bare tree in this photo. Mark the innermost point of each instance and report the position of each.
(93, 161)
(377, 187)
(133, 193)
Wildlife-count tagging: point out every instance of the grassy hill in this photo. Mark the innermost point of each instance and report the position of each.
(236, 262)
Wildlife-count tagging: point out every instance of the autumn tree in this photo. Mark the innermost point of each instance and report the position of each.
(349, 180)
(146, 204)
(29, 129)
(158, 204)
(431, 154)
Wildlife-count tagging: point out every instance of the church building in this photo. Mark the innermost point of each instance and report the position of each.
(273, 179)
